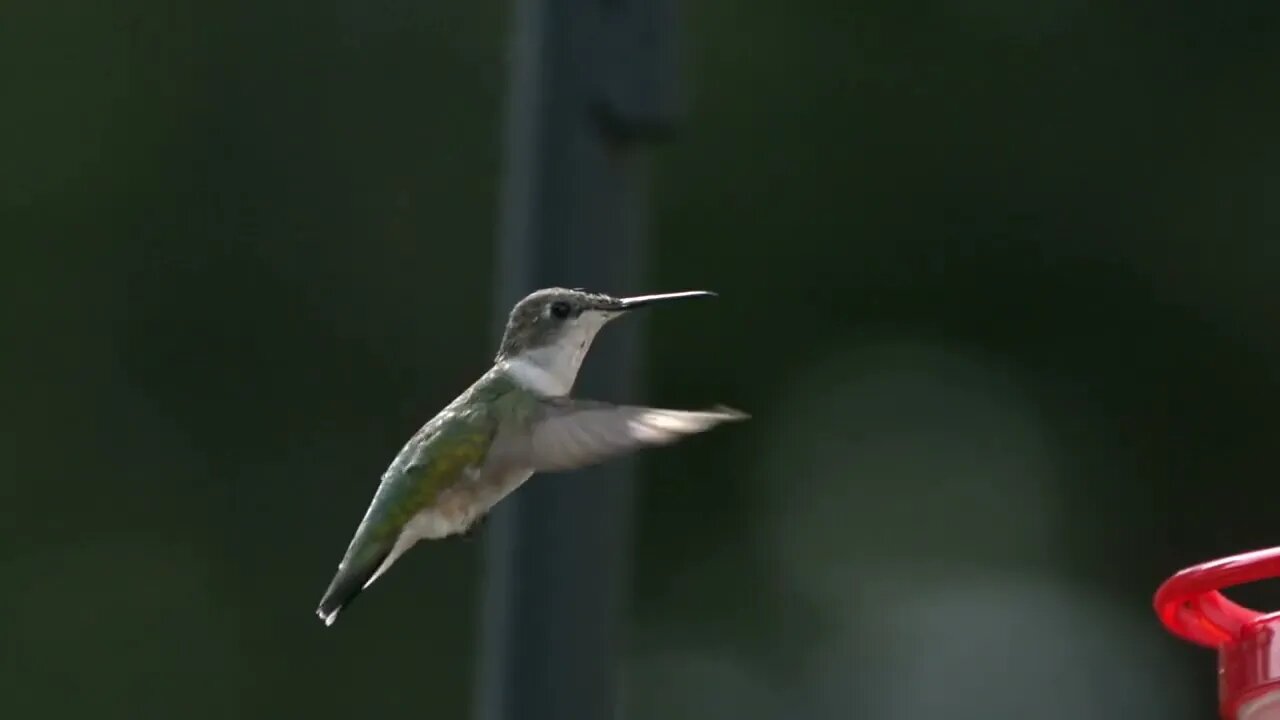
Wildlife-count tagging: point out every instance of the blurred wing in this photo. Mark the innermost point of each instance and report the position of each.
(573, 433)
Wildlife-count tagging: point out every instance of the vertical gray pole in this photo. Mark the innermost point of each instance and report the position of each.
(591, 84)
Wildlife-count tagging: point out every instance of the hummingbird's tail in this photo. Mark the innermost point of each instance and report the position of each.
(352, 578)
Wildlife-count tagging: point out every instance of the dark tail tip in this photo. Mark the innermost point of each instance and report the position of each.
(330, 607)
(346, 586)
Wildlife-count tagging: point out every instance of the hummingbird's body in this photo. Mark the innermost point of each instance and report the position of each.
(517, 419)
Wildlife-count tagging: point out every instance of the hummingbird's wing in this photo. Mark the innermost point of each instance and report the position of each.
(572, 433)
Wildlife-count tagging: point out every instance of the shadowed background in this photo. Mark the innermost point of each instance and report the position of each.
(996, 285)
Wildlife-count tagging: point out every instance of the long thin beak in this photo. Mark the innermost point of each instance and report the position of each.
(631, 303)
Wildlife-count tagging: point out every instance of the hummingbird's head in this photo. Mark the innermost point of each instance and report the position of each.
(550, 331)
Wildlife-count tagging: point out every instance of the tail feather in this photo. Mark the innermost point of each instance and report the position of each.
(352, 578)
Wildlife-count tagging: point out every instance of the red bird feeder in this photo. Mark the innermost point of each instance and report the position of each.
(1192, 607)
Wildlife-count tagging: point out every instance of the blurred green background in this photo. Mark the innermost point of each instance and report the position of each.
(997, 285)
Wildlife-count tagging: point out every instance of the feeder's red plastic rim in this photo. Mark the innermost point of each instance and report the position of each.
(1192, 607)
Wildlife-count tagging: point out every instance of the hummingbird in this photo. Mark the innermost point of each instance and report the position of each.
(516, 420)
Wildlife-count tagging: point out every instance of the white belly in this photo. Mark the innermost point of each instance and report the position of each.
(460, 506)
(453, 512)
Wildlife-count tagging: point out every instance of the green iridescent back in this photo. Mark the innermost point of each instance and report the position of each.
(456, 440)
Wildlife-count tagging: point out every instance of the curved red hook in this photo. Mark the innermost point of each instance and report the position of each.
(1191, 606)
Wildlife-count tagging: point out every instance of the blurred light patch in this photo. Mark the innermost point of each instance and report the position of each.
(1002, 645)
(693, 683)
(896, 451)
(915, 497)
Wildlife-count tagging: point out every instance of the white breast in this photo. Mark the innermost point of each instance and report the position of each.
(551, 370)
(536, 378)
(460, 506)
(453, 512)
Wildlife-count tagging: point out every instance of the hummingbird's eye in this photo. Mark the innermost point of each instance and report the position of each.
(560, 309)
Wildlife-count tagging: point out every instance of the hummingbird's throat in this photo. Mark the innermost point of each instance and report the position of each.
(552, 369)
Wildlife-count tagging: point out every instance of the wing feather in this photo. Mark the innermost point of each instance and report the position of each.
(574, 433)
